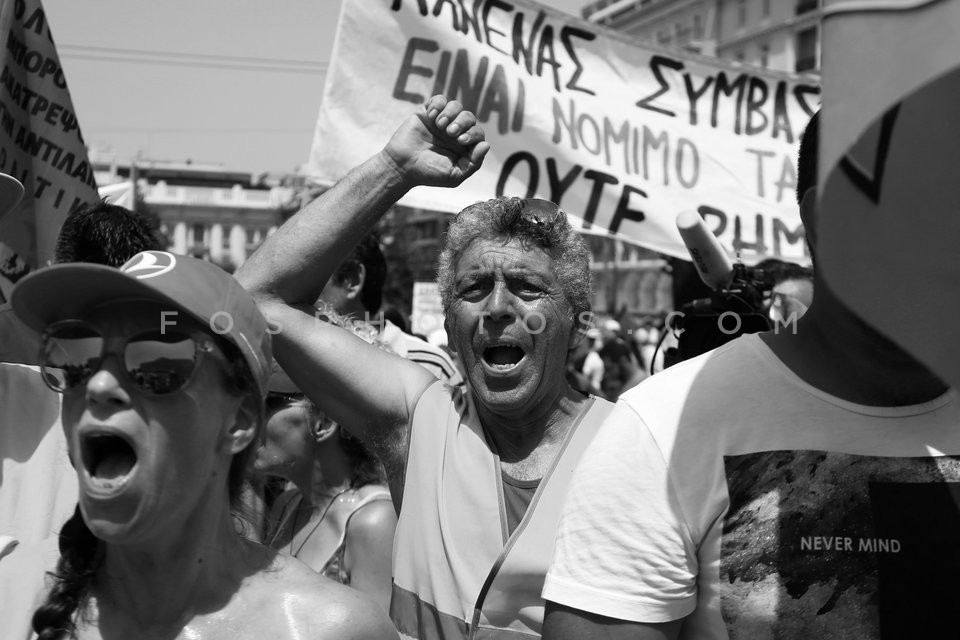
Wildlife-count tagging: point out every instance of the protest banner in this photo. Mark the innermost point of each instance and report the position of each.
(622, 136)
(40, 141)
(889, 161)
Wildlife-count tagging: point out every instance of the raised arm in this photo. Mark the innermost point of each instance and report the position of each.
(370, 392)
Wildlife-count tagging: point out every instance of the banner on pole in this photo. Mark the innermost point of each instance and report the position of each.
(40, 141)
(621, 136)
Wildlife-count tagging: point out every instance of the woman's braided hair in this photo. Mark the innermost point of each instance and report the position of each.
(80, 556)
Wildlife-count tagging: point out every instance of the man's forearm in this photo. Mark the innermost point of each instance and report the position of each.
(294, 263)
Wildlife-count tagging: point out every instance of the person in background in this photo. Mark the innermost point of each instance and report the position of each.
(336, 514)
(791, 484)
(356, 290)
(103, 233)
(791, 291)
(163, 366)
(620, 368)
(585, 366)
(478, 470)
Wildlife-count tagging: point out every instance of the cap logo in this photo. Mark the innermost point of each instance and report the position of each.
(150, 264)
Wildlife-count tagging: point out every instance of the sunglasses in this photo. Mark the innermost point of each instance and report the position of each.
(277, 400)
(158, 363)
(539, 211)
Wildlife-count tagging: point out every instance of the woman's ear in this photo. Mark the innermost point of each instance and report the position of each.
(326, 429)
(244, 429)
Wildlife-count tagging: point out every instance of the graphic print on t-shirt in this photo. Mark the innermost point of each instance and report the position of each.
(826, 545)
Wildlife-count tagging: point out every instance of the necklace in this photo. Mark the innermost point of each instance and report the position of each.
(293, 530)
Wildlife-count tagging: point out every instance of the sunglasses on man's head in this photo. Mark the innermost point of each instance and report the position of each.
(277, 400)
(539, 211)
(156, 362)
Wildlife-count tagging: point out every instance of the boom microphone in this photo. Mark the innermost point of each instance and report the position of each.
(711, 261)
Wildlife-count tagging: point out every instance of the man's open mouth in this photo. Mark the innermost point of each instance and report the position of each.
(108, 459)
(503, 357)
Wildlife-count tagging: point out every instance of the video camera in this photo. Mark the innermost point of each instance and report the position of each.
(735, 306)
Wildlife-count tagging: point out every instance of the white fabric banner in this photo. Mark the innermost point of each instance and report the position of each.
(621, 136)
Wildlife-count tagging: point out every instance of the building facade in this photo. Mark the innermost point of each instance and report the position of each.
(782, 35)
(203, 210)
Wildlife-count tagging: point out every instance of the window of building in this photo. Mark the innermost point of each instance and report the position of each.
(806, 51)
(197, 233)
(698, 26)
(804, 6)
(742, 13)
(739, 56)
(764, 55)
(765, 8)
(681, 33)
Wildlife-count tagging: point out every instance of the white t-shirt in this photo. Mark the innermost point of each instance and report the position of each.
(729, 491)
(38, 487)
(433, 359)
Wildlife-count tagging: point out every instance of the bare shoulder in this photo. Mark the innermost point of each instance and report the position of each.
(291, 596)
(373, 521)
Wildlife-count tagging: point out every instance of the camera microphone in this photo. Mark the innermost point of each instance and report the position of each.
(711, 261)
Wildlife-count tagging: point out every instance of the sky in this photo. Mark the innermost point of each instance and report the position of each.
(230, 82)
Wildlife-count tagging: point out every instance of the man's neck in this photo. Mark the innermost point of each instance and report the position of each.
(834, 350)
(518, 440)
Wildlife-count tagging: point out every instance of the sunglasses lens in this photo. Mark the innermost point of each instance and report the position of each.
(277, 401)
(160, 363)
(71, 354)
(540, 211)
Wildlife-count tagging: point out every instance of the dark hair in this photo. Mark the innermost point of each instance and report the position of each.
(365, 466)
(366, 253)
(776, 271)
(104, 233)
(395, 316)
(80, 557)
(81, 552)
(807, 156)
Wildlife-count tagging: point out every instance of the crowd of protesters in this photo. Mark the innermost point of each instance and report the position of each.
(251, 458)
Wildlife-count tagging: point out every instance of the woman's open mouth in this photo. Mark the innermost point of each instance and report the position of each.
(109, 461)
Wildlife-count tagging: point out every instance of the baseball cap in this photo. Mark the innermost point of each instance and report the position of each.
(10, 193)
(200, 288)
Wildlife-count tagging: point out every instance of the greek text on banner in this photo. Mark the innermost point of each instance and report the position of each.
(622, 136)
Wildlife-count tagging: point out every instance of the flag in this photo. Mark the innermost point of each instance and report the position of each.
(889, 168)
(40, 141)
